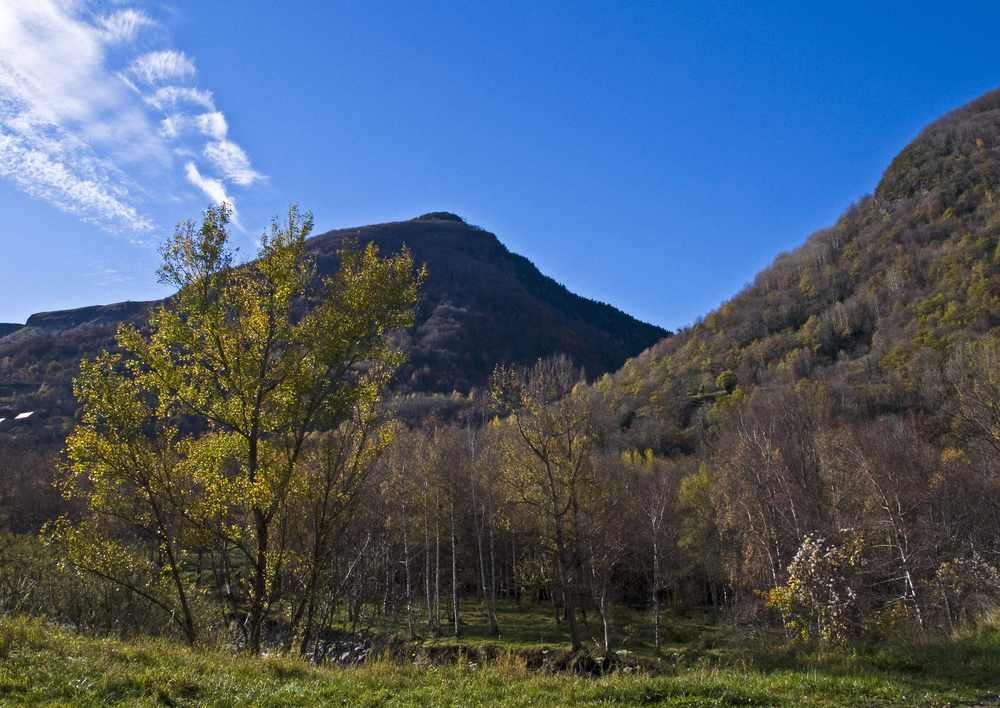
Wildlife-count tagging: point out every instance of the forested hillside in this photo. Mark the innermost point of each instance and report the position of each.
(865, 313)
(850, 394)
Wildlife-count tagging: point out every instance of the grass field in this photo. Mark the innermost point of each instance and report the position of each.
(702, 666)
(529, 627)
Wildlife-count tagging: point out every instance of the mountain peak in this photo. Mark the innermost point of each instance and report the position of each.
(483, 305)
(439, 216)
(952, 155)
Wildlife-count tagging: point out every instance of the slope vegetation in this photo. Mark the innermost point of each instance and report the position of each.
(844, 409)
(869, 309)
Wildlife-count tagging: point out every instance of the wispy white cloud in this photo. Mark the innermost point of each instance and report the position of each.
(50, 63)
(93, 197)
(212, 188)
(123, 26)
(171, 126)
(213, 125)
(99, 133)
(50, 102)
(160, 67)
(174, 96)
(178, 124)
(232, 162)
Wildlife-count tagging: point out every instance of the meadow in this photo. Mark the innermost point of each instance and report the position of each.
(707, 663)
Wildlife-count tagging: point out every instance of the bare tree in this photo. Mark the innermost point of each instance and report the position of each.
(547, 450)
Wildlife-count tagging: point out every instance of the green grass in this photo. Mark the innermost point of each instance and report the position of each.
(44, 665)
(531, 626)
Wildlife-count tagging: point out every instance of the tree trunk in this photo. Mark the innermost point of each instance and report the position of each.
(454, 576)
(656, 591)
(437, 572)
(257, 606)
(406, 569)
(492, 602)
(569, 601)
(427, 560)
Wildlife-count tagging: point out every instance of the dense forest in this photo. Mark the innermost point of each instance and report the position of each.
(820, 455)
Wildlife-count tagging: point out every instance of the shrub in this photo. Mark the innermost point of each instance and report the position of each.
(818, 603)
(966, 590)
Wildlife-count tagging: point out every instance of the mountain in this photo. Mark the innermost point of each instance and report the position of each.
(866, 313)
(482, 305)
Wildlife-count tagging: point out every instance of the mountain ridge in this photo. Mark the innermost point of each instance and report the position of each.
(482, 306)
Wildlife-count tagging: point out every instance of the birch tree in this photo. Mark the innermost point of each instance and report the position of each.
(547, 459)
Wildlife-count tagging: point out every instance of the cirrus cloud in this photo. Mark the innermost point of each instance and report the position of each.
(123, 26)
(160, 67)
(231, 161)
(213, 188)
(173, 96)
(100, 128)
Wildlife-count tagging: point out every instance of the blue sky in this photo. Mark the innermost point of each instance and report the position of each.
(652, 155)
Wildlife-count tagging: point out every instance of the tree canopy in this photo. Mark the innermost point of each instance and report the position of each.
(205, 425)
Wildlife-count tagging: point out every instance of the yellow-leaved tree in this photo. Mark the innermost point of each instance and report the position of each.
(203, 433)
